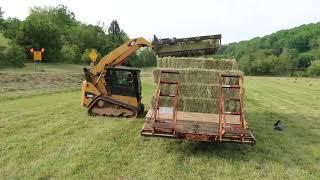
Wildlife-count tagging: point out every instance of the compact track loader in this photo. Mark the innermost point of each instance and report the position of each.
(109, 90)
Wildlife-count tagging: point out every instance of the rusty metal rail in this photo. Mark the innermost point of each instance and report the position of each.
(235, 82)
(222, 127)
(157, 123)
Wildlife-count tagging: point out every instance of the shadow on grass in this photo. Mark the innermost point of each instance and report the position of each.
(143, 114)
(224, 150)
(289, 145)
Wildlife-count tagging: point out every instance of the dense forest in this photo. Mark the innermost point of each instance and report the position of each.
(65, 39)
(294, 51)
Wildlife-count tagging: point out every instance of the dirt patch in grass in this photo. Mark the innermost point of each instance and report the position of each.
(11, 81)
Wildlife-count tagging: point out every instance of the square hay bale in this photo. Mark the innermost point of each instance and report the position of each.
(225, 64)
(232, 106)
(230, 93)
(192, 90)
(187, 104)
(160, 62)
(167, 102)
(198, 90)
(169, 77)
(169, 89)
(204, 76)
(202, 105)
(198, 63)
(192, 63)
(181, 62)
(234, 64)
(211, 64)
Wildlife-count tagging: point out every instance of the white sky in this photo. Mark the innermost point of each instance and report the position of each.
(235, 19)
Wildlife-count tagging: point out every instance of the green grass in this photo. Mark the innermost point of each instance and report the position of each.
(51, 136)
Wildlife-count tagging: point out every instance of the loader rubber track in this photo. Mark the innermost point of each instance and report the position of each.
(111, 108)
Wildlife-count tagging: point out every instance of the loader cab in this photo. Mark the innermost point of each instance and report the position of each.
(124, 81)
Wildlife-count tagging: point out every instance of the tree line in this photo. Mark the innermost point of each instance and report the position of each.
(294, 51)
(65, 39)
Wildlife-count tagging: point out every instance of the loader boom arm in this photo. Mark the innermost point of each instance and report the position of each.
(120, 54)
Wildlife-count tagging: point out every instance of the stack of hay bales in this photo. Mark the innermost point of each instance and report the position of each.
(199, 82)
(200, 63)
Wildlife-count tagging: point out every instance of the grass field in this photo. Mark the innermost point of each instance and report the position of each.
(48, 135)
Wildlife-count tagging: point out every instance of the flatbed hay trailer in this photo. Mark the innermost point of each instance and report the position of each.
(224, 126)
(198, 127)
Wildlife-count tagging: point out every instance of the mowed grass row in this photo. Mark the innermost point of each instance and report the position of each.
(51, 136)
(45, 67)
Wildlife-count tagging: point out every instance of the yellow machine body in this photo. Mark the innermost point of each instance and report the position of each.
(110, 90)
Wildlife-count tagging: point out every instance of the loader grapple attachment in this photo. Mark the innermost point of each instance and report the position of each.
(192, 46)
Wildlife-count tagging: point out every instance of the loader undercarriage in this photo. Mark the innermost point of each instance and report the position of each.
(112, 108)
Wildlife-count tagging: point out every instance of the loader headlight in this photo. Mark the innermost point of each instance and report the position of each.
(89, 95)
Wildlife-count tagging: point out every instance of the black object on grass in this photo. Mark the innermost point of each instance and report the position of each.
(278, 126)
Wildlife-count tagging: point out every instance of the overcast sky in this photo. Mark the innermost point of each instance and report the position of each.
(235, 19)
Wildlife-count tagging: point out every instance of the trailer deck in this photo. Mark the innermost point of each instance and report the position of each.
(197, 127)
(226, 126)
